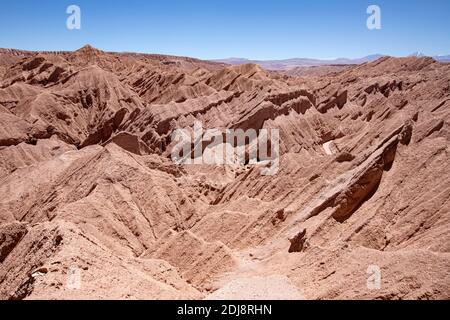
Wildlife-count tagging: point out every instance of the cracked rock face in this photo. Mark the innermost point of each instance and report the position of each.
(93, 207)
(10, 236)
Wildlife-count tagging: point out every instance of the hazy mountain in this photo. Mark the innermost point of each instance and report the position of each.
(288, 64)
(442, 58)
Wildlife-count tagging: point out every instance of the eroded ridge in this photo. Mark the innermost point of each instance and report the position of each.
(94, 207)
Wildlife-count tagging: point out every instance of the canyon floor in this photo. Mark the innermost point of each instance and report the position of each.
(93, 207)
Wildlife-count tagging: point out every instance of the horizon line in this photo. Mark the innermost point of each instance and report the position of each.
(416, 54)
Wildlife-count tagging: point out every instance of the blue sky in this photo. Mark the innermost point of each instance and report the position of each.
(208, 29)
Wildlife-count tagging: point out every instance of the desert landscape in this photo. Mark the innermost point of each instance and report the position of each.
(93, 207)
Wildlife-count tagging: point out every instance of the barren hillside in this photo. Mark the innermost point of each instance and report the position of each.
(93, 206)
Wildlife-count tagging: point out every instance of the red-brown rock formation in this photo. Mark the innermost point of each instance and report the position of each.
(92, 205)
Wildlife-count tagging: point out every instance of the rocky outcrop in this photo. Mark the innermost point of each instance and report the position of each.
(10, 236)
(337, 100)
(298, 242)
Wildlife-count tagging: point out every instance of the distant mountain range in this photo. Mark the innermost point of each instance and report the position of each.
(288, 64)
(441, 58)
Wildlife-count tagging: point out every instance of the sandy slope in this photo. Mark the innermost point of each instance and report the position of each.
(93, 207)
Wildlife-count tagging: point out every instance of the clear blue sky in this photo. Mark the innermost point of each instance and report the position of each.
(256, 29)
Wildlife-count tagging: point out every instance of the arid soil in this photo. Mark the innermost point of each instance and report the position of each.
(93, 207)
